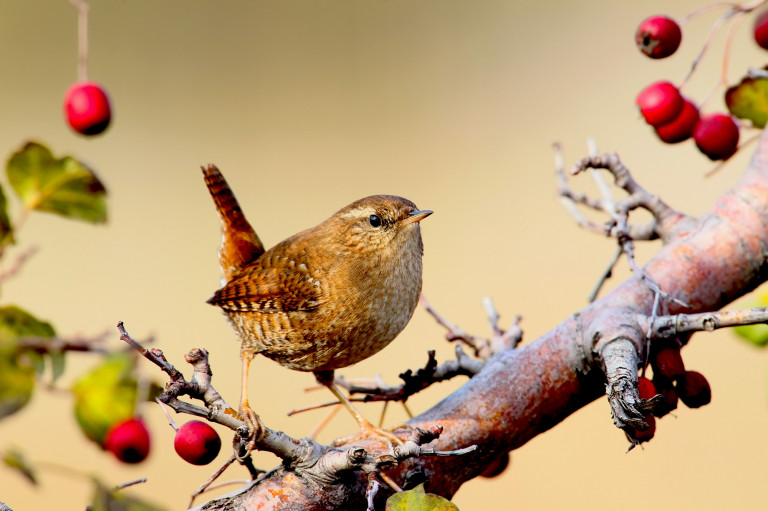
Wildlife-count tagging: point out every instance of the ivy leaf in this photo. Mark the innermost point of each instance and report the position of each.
(63, 186)
(417, 500)
(749, 100)
(15, 459)
(105, 395)
(18, 366)
(105, 499)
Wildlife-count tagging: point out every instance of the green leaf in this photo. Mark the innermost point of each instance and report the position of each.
(6, 231)
(63, 186)
(755, 334)
(18, 366)
(17, 380)
(15, 459)
(106, 499)
(105, 396)
(749, 100)
(16, 323)
(57, 360)
(417, 500)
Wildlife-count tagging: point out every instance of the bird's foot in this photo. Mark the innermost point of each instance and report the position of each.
(255, 430)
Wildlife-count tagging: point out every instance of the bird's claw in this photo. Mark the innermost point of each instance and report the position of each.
(255, 432)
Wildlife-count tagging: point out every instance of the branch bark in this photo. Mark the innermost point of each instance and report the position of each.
(522, 393)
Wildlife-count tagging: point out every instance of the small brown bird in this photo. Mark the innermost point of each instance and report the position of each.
(325, 298)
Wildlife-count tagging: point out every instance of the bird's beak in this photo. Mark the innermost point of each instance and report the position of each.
(416, 216)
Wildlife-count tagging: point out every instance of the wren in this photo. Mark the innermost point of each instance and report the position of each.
(325, 298)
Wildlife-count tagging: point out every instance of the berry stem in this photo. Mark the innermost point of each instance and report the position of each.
(167, 414)
(747, 7)
(738, 11)
(740, 16)
(82, 38)
(712, 32)
(703, 10)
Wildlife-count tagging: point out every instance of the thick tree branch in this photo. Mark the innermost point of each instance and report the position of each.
(523, 392)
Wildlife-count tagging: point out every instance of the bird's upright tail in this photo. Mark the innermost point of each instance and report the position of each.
(239, 244)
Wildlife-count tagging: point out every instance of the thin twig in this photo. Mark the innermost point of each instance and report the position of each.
(206, 486)
(220, 485)
(493, 315)
(60, 344)
(414, 382)
(667, 221)
(171, 422)
(324, 422)
(384, 477)
(18, 263)
(155, 356)
(455, 333)
(130, 483)
(606, 274)
(670, 326)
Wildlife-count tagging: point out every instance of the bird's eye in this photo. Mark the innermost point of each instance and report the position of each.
(374, 220)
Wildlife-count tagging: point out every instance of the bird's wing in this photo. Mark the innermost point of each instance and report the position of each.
(268, 290)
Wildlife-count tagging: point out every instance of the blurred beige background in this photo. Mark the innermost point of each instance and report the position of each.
(308, 105)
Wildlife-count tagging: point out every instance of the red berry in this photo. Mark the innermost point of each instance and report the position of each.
(658, 37)
(694, 389)
(645, 388)
(496, 466)
(761, 30)
(128, 441)
(668, 362)
(681, 127)
(646, 434)
(86, 108)
(717, 136)
(197, 443)
(660, 103)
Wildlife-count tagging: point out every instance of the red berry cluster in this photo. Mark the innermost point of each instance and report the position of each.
(196, 442)
(674, 117)
(674, 382)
